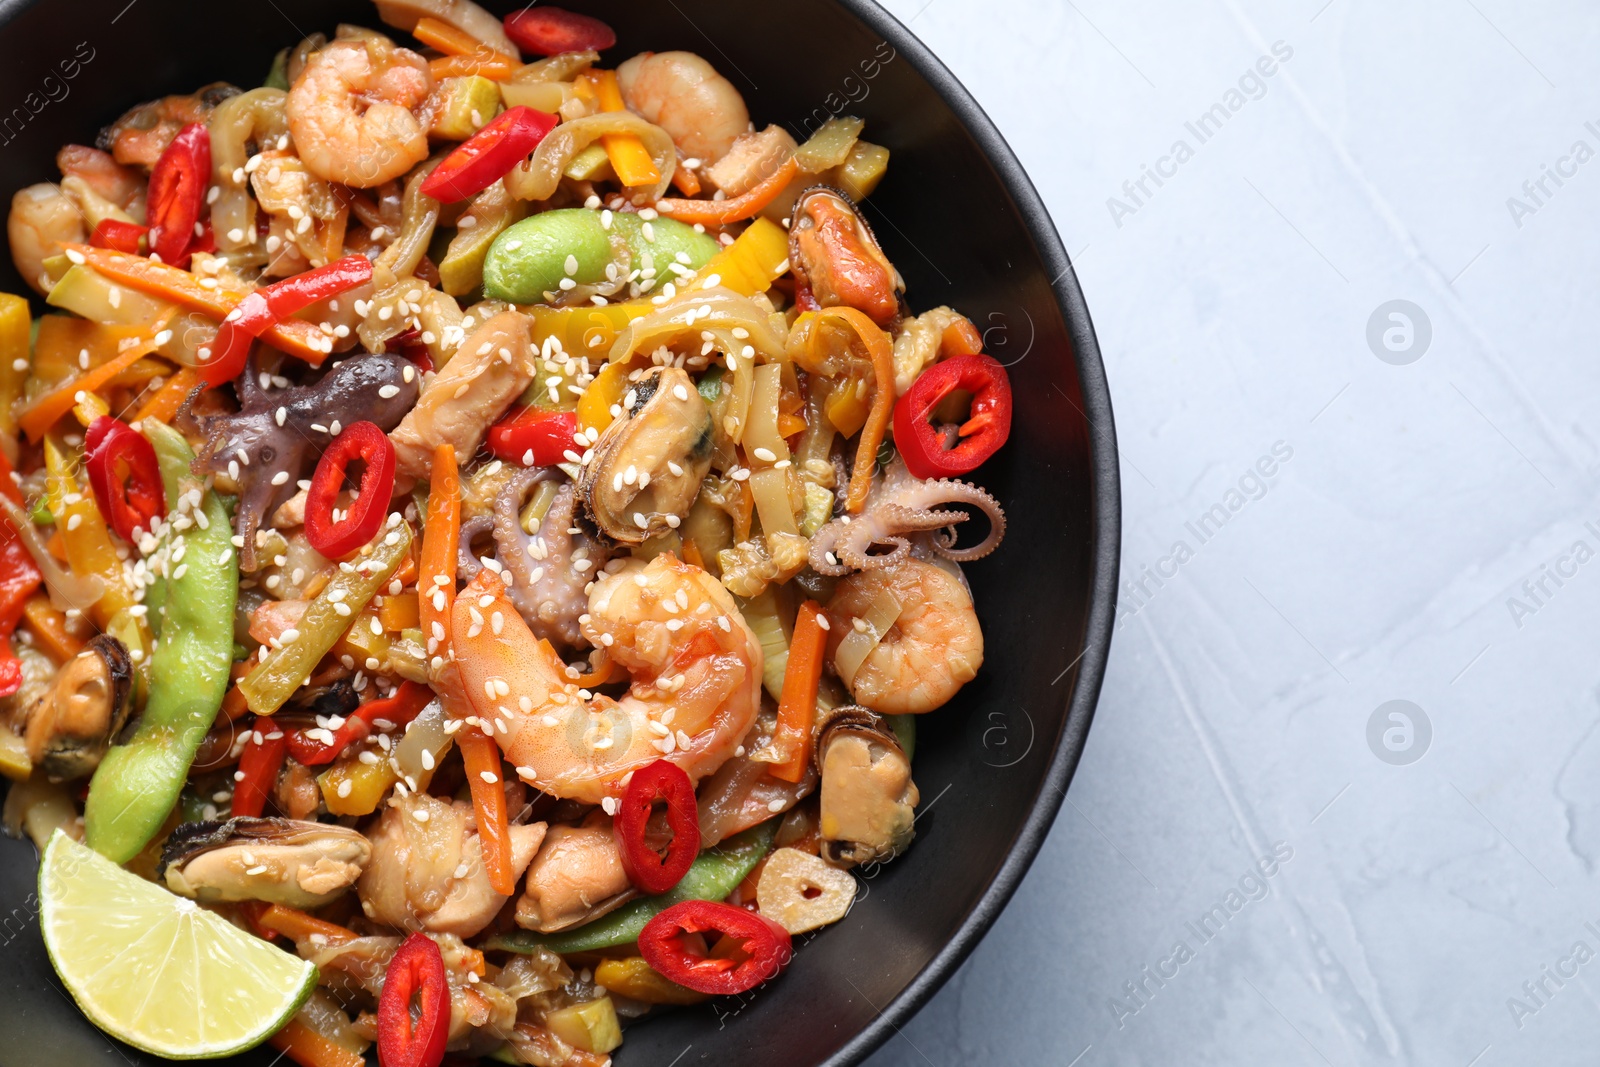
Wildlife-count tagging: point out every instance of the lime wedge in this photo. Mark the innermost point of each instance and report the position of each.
(157, 970)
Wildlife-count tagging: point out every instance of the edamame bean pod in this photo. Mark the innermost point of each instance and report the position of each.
(532, 258)
(137, 784)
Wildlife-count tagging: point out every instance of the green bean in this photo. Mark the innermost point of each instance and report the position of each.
(716, 873)
(136, 785)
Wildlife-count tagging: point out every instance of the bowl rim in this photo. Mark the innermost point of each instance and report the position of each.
(1105, 523)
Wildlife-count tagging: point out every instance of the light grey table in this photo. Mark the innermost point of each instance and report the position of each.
(1348, 327)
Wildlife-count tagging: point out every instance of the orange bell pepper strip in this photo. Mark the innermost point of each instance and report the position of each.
(165, 402)
(298, 338)
(735, 208)
(797, 700)
(452, 41)
(481, 755)
(628, 155)
(308, 1048)
(686, 182)
(49, 628)
(491, 65)
(44, 412)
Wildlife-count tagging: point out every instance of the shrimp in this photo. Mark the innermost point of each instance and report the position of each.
(695, 667)
(122, 186)
(926, 655)
(684, 95)
(42, 219)
(351, 112)
(144, 132)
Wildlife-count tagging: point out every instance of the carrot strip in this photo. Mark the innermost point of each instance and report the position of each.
(450, 40)
(481, 754)
(881, 355)
(628, 155)
(296, 925)
(493, 65)
(166, 401)
(48, 408)
(49, 628)
(797, 701)
(686, 181)
(723, 212)
(308, 1048)
(441, 535)
(297, 337)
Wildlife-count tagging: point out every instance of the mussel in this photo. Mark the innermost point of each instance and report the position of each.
(834, 249)
(283, 861)
(649, 463)
(72, 724)
(868, 800)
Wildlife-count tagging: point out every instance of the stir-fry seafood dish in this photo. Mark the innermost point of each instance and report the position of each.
(480, 521)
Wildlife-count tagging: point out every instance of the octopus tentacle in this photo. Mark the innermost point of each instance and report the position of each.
(547, 572)
(467, 564)
(904, 505)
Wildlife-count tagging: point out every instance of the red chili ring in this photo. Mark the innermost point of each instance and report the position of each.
(415, 971)
(337, 540)
(665, 946)
(648, 869)
(549, 31)
(124, 475)
(979, 437)
(177, 192)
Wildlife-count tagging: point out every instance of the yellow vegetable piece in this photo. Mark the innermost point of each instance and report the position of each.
(635, 979)
(585, 331)
(757, 258)
(591, 1026)
(861, 172)
(607, 389)
(367, 785)
(466, 105)
(84, 533)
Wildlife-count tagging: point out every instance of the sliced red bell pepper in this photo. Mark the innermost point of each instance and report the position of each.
(178, 192)
(119, 236)
(665, 943)
(651, 871)
(270, 305)
(19, 579)
(361, 441)
(404, 705)
(124, 475)
(488, 155)
(259, 764)
(549, 31)
(941, 452)
(535, 437)
(416, 972)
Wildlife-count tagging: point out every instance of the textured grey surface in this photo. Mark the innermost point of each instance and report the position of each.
(1429, 533)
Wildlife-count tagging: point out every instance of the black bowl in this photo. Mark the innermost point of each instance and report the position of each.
(962, 222)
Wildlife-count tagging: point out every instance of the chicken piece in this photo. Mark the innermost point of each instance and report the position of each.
(576, 877)
(427, 868)
(752, 160)
(490, 370)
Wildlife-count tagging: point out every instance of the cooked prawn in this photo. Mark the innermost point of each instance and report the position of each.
(695, 666)
(932, 649)
(143, 132)
(351, 112)
(684, 95)
(122, 186)
(42, 219)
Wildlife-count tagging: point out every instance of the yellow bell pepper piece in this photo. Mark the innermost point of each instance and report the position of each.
(84, 533)
(15, 325)
(607, 390)
(591, 1026)
(585, 331)
(368, 784)
(758, 257)
(635, 979)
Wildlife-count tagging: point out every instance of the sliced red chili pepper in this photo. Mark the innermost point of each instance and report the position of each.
(119, 236)
(665, 943)
(646, 868)
(535, 437)
(406, 704)
(549, 31)
(338, 539)
(940, 452)
(259, 764)
(19, 578)
(270, 305)
(416, 971)
(486, 156)
(177, 192)
(124, 475)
